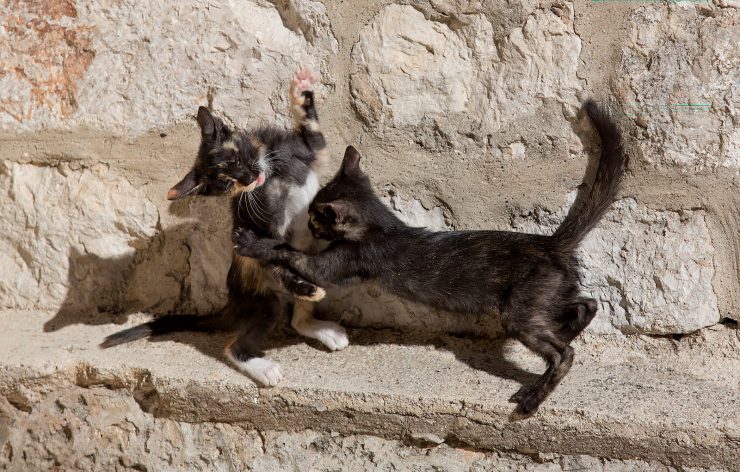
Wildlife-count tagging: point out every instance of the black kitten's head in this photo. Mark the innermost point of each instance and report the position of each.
(227, 161)
(344, 208)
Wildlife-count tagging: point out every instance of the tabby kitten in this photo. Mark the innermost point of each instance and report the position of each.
(531, 280)
(271, 174)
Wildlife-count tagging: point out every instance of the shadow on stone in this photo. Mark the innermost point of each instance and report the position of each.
(484, 354)
(92, 305)
(104, 290)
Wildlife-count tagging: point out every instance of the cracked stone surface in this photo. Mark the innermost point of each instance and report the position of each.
(56, 432)
(56, 223)
(175, 402)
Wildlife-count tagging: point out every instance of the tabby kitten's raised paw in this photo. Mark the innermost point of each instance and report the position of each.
(303, 80)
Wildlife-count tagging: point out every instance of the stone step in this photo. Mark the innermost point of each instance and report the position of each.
(674, 402)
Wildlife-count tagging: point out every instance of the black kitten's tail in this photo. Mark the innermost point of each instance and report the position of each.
(164, 325)
(587, 212)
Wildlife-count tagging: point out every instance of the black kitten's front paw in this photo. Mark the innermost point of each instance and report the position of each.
(245, 242)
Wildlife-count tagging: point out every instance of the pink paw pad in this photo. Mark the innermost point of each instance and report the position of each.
(303, 80)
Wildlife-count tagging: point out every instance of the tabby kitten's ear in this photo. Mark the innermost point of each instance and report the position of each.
(207, 123)
(336, 211)
(189, 184)
(351, 161)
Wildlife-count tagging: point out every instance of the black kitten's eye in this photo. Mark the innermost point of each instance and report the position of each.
(329, 213)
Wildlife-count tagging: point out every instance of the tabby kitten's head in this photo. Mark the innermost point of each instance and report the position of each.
(227, 161)
(346, 208)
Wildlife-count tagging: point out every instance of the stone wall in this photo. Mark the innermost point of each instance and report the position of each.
(467, 113)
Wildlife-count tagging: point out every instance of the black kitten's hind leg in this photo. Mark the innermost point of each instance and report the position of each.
(576, 317)
(298, 286)
(527, 318)
(245, 351)
(559, 357)
(521, 393)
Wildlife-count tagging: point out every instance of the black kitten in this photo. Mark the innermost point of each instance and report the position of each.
(532, 280)
(271, 173)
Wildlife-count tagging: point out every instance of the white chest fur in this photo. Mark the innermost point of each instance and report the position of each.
(295, 218)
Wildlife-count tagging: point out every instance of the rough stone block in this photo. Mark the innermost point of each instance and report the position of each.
(455, 79)
(650, 270)
(118, 67)
(57, 224)
(680, 82)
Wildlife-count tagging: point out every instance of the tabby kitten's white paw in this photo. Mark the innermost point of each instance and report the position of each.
(330, 334)
(265, 372)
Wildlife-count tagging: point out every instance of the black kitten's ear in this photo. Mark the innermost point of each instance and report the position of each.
(186, 186)
(351, 161)
(336, 211)
(207, 123)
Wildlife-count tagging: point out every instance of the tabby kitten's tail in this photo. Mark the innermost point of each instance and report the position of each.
(165, 325)
(586, 212)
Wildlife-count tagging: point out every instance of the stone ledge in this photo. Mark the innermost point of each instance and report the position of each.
(676, 406)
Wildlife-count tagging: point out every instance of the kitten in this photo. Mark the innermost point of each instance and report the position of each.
(531, 280)
(272, 175)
